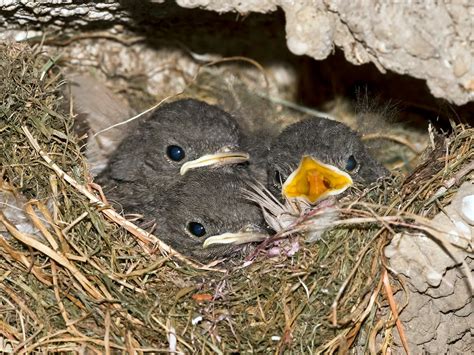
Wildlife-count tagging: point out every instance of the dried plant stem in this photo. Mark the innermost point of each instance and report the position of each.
(57, 295)
(373, 335)
(393, 307)
(21, 258)
(54, 255)
(20, 303)
(360, 258)
(394, 138)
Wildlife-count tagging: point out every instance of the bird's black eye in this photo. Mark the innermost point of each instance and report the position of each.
(351, 163)
(196, 229)
(175, 153)
(278, 177)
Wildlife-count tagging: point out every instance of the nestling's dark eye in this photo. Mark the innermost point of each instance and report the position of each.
(175, 153)
(351, 163)
(278, 177)
(196, 229)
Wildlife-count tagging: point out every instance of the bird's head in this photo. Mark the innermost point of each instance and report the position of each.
(318, 157)
(206, 216)
(178, 137)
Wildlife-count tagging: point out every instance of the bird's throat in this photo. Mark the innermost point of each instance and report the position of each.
(314, 180)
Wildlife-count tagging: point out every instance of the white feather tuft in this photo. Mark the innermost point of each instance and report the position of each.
(295, 216)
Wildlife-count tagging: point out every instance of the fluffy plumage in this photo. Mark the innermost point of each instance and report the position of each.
(215, 200)
(140, 167)
(330, 142)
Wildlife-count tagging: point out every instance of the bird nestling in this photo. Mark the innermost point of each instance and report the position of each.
(310, 163)
(177, 137)
(205, 215)
(318, 157)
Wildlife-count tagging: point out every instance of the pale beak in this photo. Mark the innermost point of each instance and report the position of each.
(216, 159)
(314, 180)
(234, 238)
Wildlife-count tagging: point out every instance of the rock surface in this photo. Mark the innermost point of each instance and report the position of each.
(439, 312)
(426, 40)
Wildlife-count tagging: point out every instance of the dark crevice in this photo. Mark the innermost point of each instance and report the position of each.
(262, 38)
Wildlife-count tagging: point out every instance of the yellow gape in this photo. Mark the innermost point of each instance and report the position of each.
(314, 180)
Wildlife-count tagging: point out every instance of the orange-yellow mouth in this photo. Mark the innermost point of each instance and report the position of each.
(314, 180)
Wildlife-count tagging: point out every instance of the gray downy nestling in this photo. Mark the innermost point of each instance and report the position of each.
(318, 157)
(177, 137)
(309, 162)
(205, 215)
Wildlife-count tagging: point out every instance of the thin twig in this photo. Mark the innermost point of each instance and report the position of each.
(394, 138)
(201, 66)
(136, 116)
(393, 308)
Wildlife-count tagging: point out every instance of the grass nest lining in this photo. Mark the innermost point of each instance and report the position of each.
(86, 282)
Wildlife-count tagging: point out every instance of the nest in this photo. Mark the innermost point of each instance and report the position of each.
(84, 279)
